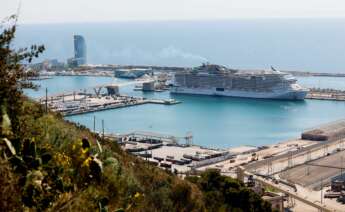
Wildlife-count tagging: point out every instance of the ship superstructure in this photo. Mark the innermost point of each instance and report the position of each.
(131, 73)
(211, 79)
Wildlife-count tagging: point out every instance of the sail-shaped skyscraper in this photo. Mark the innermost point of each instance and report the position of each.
(79, 50)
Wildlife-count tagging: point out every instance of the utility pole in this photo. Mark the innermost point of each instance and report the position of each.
(308, 159)
(290, 160)
(102, 129)
(321, 192)
(46, 100)
(341, 165)
(94, 124)
(325, 150)
(269, 168)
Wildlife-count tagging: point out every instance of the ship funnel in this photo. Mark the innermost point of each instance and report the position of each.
(273, 69)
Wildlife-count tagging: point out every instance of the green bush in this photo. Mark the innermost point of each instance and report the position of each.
(223, 193)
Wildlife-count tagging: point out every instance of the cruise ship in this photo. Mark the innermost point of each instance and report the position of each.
(218, 80)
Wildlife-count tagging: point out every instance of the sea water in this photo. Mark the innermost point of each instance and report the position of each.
(213, 121)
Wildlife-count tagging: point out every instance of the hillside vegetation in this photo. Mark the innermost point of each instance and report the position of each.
(49, 164)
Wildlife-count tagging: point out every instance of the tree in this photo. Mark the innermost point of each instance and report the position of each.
(223, 193)
(11, 71)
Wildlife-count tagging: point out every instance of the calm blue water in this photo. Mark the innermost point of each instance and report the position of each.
(214, 121)
(297, 44)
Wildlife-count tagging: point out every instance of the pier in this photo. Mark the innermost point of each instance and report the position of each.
(75, 103)
(116, 105)
(326, 94)
(168, 152)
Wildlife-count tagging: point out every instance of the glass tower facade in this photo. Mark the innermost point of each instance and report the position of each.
(79, 50)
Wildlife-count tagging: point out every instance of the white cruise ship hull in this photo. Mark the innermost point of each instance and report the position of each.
(278, 94)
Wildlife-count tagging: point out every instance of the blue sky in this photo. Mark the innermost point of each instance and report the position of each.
(63, 11)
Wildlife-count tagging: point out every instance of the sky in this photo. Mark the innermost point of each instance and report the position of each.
(72, 11)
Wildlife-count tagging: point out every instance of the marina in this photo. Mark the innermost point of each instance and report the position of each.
(74, 103)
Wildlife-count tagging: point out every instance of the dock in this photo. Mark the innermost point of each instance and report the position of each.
(168, 151)
(75, 104)
(83, 101)
(121, 105)
(326, 94)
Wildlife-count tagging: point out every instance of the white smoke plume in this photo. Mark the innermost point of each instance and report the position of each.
(172, 52)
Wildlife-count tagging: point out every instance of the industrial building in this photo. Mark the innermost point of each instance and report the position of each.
(327, 132)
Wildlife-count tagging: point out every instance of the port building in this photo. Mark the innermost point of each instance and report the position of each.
(327, 132)
(149, 86)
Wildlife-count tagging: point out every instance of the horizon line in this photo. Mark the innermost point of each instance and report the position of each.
(189, 20)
